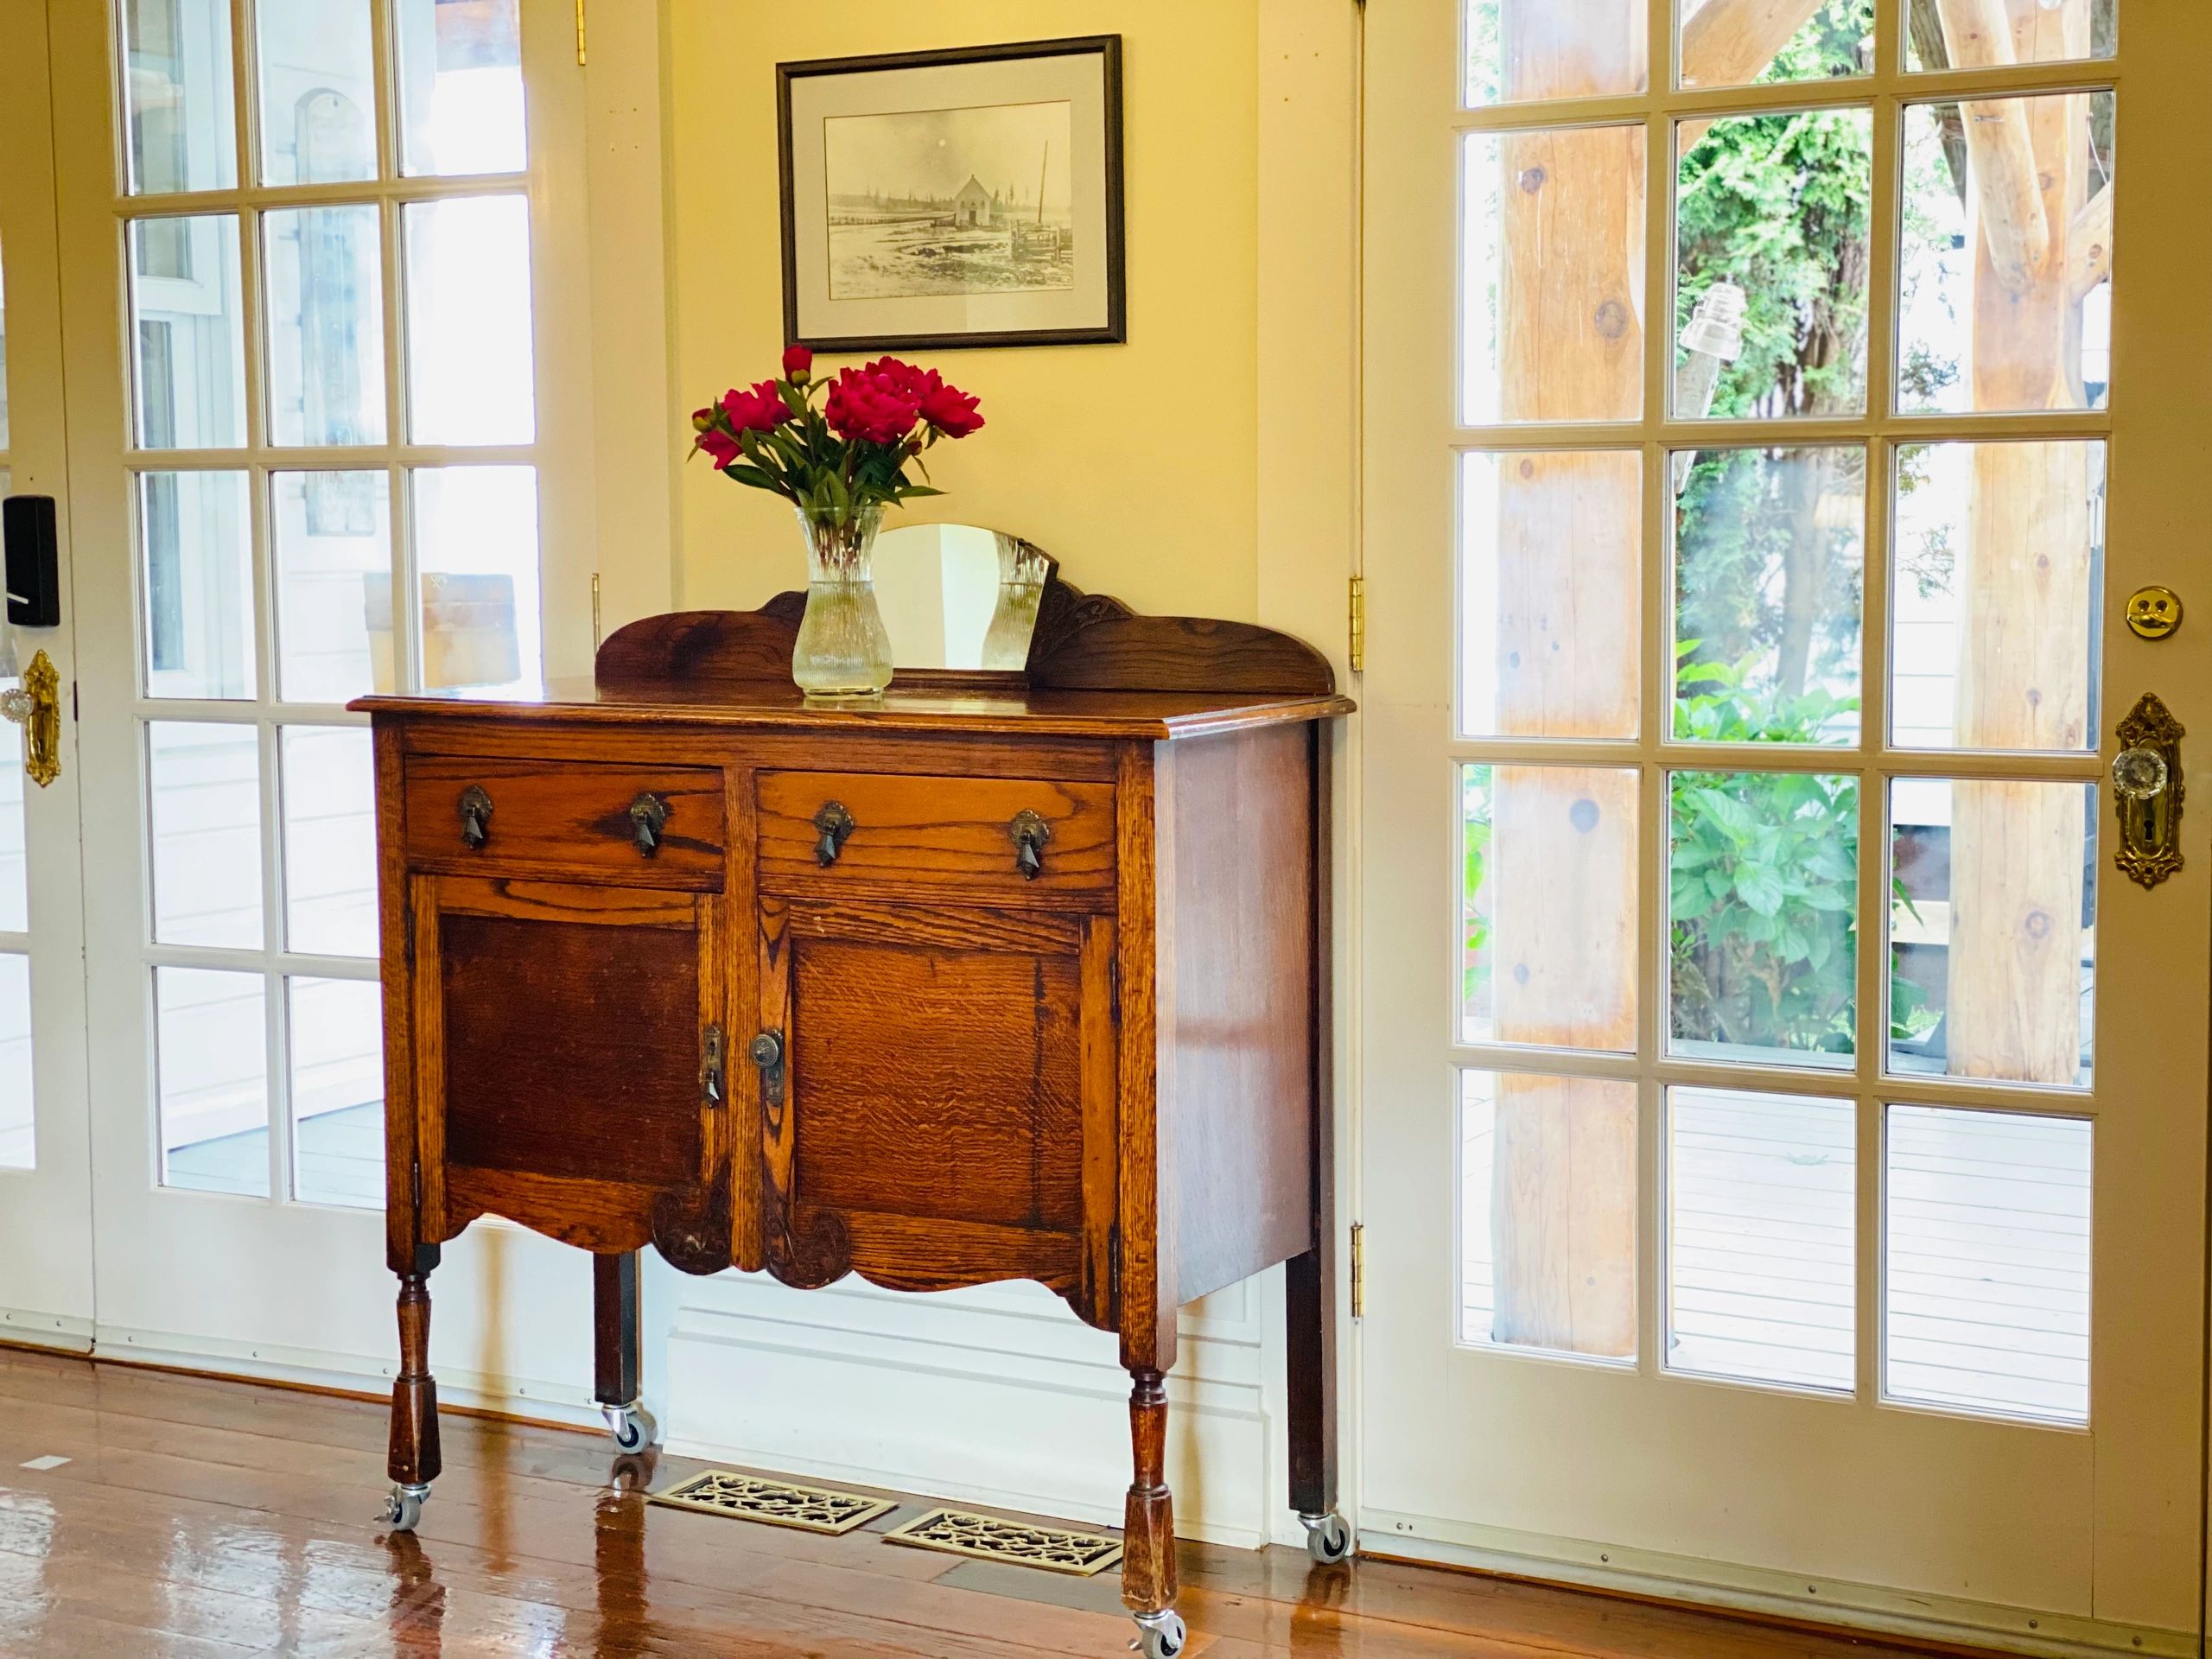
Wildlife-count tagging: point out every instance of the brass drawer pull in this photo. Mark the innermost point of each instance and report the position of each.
(648, 817)
(835, 825)
(1030, 835)
(475, 818)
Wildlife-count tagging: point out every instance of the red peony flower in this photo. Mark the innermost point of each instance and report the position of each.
(873, 406)
(950, 410)
(761, 410)
(720, 445)
(798, 363)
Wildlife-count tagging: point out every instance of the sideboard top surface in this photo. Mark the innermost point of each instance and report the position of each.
(1035, 711)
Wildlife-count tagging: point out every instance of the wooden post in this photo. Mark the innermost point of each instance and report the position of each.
(1564, 848)
(2018, 850)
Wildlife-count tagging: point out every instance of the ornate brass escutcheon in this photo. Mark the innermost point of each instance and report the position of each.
(713, 1086)
(2148, 792)
(35, 706)
(2153, 613)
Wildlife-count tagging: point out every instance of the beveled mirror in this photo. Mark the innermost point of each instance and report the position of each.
(960, 598)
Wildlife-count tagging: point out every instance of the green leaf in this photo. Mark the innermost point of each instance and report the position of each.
(1758, 887)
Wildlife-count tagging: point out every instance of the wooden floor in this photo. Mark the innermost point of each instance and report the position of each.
(196, 1519)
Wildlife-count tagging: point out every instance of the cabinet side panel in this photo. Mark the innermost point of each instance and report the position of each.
(1239, 899)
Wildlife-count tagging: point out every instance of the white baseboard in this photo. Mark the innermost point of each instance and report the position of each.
(996, 1396)
(523, 1397)
(60, 1332)
(1761, 1590)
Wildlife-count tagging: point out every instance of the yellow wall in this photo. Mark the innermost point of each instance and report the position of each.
(1136, 466)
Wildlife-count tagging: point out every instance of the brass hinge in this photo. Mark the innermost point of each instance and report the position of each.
(416, 1183)
(598, 632)
(1113, 988)
(1358, 649)
(1358, 1269)
(1113, 1267)
(407, 928)
(579, 34)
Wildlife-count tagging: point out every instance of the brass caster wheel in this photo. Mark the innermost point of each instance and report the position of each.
(402, 1510)
(633, 1427)
(1328, 1539)
(1159, 1636)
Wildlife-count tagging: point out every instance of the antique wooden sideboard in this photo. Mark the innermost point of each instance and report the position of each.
(1014, 977)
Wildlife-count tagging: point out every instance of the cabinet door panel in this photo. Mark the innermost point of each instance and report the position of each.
(945, 1114)
(937, 1082)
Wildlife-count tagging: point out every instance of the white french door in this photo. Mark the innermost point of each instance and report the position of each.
(1784, 1126)
(45, 1235)
(326, 390)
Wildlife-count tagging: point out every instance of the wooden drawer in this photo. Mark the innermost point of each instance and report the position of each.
(935, 832)
(567, 818)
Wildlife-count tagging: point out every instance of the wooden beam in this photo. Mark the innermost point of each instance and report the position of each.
(2008, 205)
(2089, 246)
(1731, 42)
(2013, 1004)
(1562, 883)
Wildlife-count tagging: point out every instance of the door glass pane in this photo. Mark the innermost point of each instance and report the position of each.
(1523, 49)
(187, 337)
(476, 542)
(1551, 589)
(2043, 34)
(325, 326)
(1993, 613)
(204, 783)
(176, 81)
(318, 91)
(1552, 275)
(211, 1032)
(195, 547)
(1762, 889)
(338, 1091)
(467, 322)
(18, 1129)
(1548, 1214)
(1548, 906)
(461, 96)
(1770, 548)
(15, 867)
(332, 533)
(1992, 934)
(1761, 1265)
(2006, 299)
(330, 853)
(1720, 49)
(1773, 217)
(1986, 1283)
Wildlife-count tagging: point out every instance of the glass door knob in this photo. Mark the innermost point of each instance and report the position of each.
(2139, 774)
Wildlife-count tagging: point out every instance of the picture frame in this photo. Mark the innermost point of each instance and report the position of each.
(954, 199)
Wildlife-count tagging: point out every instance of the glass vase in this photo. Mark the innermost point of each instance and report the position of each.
(843, 655)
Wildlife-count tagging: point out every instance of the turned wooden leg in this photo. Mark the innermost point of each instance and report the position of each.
(415, 1461)
(1309, 1308)
(1149, 1522)
(616, 1350)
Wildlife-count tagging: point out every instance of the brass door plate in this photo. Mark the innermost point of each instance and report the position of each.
(2148, 793)
(2153, 613)
(36, 705)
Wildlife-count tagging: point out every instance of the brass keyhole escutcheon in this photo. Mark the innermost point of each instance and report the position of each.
(36, 705)
(2148, 793)
(2153, 613)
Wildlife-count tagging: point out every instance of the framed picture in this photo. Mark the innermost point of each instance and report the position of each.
(963, 198)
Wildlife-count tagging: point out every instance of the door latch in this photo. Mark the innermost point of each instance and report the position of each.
(768, 1053)
(2148, 791)
(713, 1082)
(36, 705)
